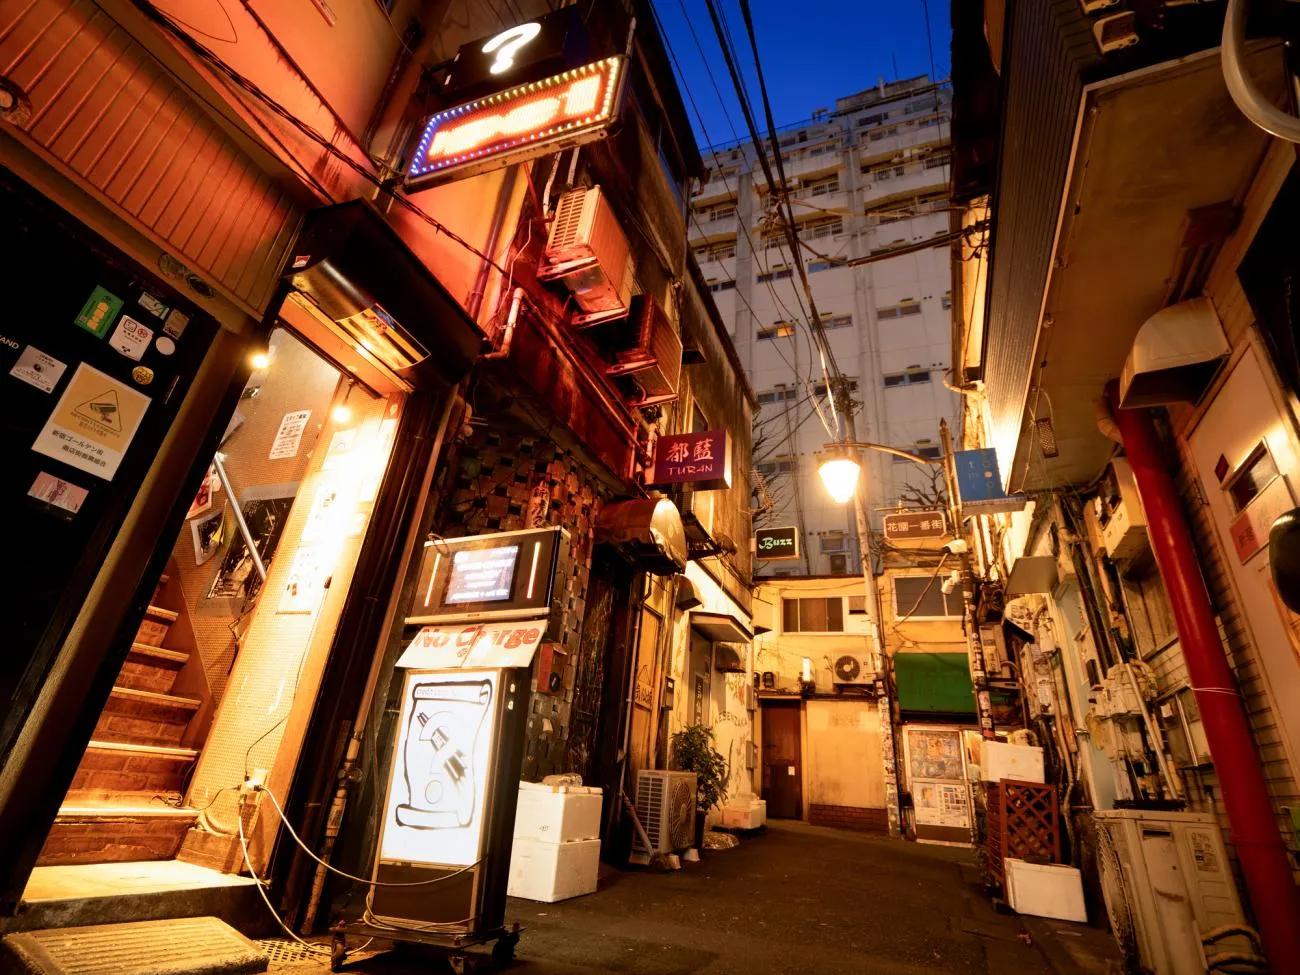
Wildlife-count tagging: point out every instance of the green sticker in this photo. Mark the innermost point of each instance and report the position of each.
(99, 311)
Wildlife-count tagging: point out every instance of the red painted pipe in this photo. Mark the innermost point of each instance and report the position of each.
(1253, 826)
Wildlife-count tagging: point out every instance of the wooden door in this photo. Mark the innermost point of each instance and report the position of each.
(782, 760)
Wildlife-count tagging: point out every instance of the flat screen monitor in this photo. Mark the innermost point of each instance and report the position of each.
(504, 575)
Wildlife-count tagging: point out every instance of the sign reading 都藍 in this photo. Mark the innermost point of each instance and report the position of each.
(776, 543)
(905, 526)
(568, 109)
(702, 460)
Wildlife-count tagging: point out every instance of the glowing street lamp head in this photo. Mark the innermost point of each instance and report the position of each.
(840, 476)
(260, 360)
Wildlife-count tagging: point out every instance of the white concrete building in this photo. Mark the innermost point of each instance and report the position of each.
(867, 178)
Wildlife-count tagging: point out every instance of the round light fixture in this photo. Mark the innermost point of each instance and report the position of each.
(840, 476)
(260, 360)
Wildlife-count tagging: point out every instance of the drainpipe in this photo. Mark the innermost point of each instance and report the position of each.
(1253, 828)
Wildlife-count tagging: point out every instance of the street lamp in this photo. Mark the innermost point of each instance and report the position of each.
(840, 469)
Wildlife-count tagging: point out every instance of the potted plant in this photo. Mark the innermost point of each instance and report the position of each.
(693, 751)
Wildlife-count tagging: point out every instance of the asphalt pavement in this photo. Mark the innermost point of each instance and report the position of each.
(794, 898)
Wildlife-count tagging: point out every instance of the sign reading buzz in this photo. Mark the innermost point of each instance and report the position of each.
(525, 91)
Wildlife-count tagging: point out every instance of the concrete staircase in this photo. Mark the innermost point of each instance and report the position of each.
(125, 801)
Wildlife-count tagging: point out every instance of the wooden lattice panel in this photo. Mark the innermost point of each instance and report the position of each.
(1023, 822)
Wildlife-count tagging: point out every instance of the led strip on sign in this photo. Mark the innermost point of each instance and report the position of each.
(575, 102)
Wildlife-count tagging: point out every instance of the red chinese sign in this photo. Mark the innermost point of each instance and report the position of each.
(702, 460)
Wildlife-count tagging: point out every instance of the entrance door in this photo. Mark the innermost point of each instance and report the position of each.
(1248, 459)
(782, 759)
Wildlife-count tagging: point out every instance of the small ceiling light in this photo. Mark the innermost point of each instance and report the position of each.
(840, 475)
(342, 413)
(260, 360)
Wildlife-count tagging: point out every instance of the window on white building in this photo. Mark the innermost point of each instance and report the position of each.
(908, 306)
(777, 395)
(908, 377)
(781, 330)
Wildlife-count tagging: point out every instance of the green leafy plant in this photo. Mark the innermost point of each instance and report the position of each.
(693, 751)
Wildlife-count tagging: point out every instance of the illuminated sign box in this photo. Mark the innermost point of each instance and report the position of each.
(568, 109)
(700, 460)
(773, 544)
(507, 575)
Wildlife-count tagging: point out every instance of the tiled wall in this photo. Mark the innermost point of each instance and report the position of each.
(498, 472)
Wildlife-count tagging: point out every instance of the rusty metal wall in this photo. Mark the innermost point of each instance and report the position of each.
(112, 117)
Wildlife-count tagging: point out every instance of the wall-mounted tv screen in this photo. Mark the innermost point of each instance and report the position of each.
(482, 576)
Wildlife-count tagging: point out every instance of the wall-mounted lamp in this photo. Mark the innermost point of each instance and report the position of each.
(342, 413)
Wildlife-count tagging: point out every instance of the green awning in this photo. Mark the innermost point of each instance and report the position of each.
(935, 683)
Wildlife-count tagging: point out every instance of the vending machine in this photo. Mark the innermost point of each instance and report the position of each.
(482, 605)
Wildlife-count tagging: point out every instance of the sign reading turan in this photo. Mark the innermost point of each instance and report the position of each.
(702, 460)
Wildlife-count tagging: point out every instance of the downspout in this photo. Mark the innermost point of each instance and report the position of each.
(1253, 828)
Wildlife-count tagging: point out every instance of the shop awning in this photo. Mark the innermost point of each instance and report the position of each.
(729, 658)
(720, 627)
(934, 683)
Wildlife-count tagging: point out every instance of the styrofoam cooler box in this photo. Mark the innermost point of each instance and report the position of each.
(550, 872)
(752, 815)
(1045, 890)
(999, 760)
(557, 814)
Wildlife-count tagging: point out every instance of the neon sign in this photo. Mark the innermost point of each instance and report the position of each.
(570, 108)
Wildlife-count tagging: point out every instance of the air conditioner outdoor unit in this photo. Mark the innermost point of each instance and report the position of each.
(853, 670)
(665, 804)
(1116, 522)
(589, 252)
(1168, 884)
(654, 360)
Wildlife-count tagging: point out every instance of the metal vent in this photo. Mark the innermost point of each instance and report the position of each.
(568, 220)
(650, 807)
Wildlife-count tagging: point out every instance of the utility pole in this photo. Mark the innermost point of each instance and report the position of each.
(880, 660)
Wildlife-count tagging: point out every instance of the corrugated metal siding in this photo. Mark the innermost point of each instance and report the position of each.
(1242, 655)
(119, 121)
(1049, 46)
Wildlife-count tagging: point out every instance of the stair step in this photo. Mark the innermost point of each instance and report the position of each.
(104, 832)
(111, 768)
(149, 668)
(132, 810)
(153, 628)
(160, 654)
(145, 717)
(200, 945)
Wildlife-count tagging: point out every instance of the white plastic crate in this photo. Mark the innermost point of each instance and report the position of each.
(550, 872)
(557, 814)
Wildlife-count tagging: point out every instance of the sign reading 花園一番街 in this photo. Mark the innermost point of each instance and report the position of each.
(776, 543)
(537, 87)
(702, 460)
(904, 526)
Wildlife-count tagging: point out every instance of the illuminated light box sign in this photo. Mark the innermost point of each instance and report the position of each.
(570, 108)
(701, 460)
(774, 544)
(502, 576)
(524, 52)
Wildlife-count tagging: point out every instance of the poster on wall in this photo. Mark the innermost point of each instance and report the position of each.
(940, 804)
(237, 578)
(443, 754)
(93, 423)
(208, 534)
(935, 754)
(288, 438)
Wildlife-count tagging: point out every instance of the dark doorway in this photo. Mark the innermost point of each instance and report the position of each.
(782, 759)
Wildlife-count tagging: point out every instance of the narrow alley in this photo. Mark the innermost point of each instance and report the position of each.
(797, 898)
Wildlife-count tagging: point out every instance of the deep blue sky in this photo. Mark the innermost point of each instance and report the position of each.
(813, 51)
